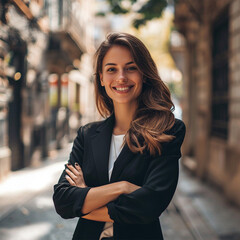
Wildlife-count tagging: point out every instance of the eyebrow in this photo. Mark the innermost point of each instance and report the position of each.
(114, 64)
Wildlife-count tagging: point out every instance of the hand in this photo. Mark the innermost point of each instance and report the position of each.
(75, 176)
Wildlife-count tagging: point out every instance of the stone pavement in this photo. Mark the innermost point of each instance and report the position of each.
(205, 210)
(197, 211)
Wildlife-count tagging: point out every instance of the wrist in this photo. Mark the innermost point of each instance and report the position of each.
(124, 187)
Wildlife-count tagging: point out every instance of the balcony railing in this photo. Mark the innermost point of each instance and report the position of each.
(64, 16)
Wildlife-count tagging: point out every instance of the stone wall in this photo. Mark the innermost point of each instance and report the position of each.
(234, 62)
(216, 160)
(232, 161)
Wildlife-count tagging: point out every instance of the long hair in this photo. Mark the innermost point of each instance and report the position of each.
(154, 115)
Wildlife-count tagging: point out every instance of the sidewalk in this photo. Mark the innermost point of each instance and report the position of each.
(197, 212)
(205, 210)
(22, 185)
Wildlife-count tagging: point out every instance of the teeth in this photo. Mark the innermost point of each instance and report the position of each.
(122, 88)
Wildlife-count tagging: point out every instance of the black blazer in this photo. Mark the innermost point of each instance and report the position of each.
(135, 215)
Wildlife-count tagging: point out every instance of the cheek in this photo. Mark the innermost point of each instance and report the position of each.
(106, 83)
(140, 83)
(139, 89)
(107, 86)
(106, 79)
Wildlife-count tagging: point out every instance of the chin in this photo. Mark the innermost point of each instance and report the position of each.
(125, 101)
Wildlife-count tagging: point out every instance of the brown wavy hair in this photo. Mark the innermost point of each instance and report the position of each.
(154, 115)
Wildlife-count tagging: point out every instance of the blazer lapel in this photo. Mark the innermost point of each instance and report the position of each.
(121, 162)
(101, 147)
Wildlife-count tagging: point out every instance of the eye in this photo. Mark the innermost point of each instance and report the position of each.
(132, 68)
(111, 69)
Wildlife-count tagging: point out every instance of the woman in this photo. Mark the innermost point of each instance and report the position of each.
(123, 171)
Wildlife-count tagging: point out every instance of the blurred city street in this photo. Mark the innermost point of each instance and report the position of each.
(26, 206)
(27, 212)
(47, 90)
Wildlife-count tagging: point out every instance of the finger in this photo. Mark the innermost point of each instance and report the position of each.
(77, 171)
(73, 169)
(71, 174)
(72, 183)
(77, 166)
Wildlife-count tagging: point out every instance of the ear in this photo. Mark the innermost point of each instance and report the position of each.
(101, 79)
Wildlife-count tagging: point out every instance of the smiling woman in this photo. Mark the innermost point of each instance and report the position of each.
(121, 78)
(123, 171)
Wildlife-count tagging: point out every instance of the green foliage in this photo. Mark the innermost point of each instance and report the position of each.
(116, 6)
(148, 11)
(100, 14)
(153, 8)
(118, 9)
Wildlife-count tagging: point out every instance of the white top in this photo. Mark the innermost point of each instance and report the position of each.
(115, 149)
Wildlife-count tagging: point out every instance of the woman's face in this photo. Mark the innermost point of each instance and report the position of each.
(120, 76)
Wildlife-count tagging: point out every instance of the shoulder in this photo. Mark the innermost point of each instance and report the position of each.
(92, 127)
(178, 131)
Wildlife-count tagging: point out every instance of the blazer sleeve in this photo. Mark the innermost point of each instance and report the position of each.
(147, 203)
(68, 200)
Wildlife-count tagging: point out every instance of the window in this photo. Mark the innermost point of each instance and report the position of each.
(219, 126)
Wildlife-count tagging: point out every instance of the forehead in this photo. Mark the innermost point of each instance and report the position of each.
(118, 54)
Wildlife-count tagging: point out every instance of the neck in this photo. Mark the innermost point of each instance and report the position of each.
(123, 117)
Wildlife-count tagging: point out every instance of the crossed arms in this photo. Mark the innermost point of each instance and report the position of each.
(122, 201)
(97, 210)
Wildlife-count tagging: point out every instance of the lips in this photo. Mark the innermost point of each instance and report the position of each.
(122, 89)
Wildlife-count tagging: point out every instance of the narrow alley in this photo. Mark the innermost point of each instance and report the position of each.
(50, 86)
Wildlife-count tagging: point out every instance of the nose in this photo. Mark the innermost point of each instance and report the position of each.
(122, 78)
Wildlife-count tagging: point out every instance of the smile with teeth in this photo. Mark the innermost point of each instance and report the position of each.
(123, 89)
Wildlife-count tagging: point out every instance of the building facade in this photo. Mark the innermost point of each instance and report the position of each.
(5, 96)
(211, 104)
(46, 85)
(69, 64)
